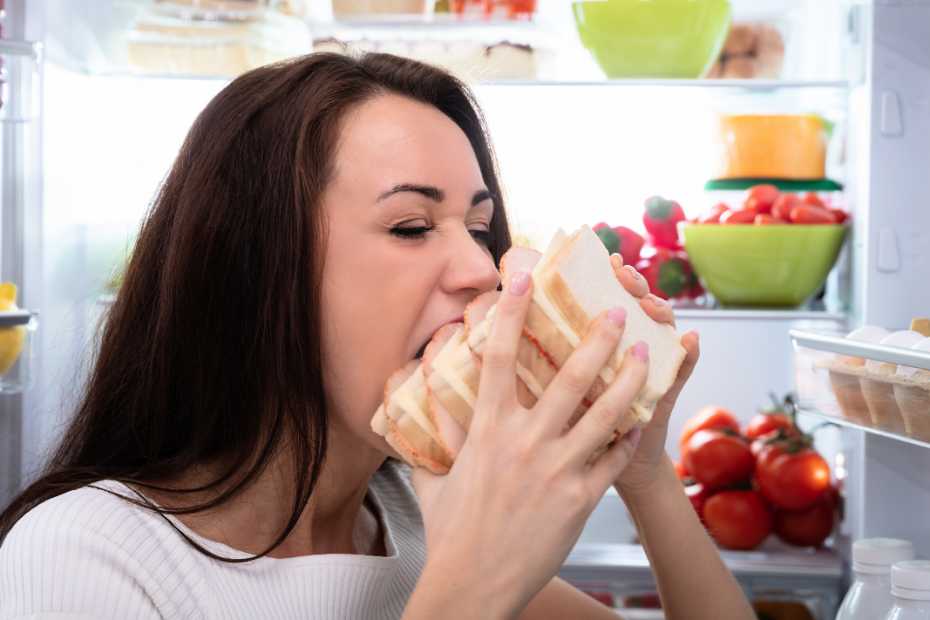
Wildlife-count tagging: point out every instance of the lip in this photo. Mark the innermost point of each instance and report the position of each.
(422, 349)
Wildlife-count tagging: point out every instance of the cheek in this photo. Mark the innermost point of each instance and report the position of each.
(372, 298)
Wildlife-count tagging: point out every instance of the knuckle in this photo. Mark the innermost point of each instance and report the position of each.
(603, 331)
(575, 379)
(496, 357)
(605, 416)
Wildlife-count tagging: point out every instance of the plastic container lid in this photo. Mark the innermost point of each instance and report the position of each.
(876, 555)
(911, 579)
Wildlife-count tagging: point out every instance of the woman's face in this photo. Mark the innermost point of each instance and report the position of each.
(408, 215)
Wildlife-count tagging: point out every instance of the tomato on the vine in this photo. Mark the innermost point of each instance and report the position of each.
(710, 416)
(718, 458)
(808, 527)
(738, 519)
(767, 422)
(791, 474)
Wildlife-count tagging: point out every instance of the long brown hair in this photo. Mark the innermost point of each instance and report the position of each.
(211, 352)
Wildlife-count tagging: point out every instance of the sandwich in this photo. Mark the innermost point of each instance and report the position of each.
(429, 404)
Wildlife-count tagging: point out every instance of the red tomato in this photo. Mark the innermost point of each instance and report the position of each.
(710, 416)
(808, 527)
(744, 216)
(698, 495)
(760, 198)
(767, 422)
(810, 214)
(792, 479)
(738, 519)
(783, 206)
(841, 216)
(712, 216)
(680, 470)
(602, 597)
(717, 459)
(765, 219)
(811, 198)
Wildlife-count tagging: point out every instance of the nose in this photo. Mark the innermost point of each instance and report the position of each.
(470, 268)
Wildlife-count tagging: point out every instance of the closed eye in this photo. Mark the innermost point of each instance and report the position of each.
(412, 232)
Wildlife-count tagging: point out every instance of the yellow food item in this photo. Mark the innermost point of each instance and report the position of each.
(772, 146)
(11, 338)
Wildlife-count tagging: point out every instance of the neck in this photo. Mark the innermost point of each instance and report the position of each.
(336, 519)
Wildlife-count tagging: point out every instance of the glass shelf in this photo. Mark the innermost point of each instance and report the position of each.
(857, 385)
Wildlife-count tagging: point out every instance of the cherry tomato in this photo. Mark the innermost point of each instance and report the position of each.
(738, 519)
(602, 597)
(791, 477)
(717, 459)
(680, 470)
(712, 216)
(767, 422)
(743, 216)
(765, 219)
(841, 216)
(710, 416)
(783, 206)
(698, 495)
(760, 198)
(811, 198)
(808, 527)
(810, 214)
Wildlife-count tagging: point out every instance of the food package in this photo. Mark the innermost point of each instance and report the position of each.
(215, 38)
(473, 59)
(346, 7)
(781, 146)
(11, 338)
(751, 51)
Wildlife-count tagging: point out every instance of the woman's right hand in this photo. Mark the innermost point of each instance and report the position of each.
(501, 523)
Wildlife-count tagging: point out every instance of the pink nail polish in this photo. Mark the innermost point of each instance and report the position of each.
(697, 336)
(520, 282)
(634, 436)
(634, 272)
(617, 316)
(641, 351)
(657, 301)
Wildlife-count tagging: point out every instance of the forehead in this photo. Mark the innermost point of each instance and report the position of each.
(391, 136)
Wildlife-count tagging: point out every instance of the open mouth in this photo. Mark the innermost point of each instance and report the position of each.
(422, 349)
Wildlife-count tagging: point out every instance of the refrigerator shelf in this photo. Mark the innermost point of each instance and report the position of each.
(879, 389)
(19, 80)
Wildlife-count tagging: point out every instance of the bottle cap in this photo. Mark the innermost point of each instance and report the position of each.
(911, 580)
(876, 555)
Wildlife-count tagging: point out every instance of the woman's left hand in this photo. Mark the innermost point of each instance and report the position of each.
(650, 457)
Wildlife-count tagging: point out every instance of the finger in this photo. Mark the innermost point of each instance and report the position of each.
(607, 467)
(616, 261)
(574, 379)
(600, 420)
(497, 389)
(632, 281)
(691, 342)
(658, 310)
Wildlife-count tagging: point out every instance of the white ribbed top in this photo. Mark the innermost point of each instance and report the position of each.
(90, 555)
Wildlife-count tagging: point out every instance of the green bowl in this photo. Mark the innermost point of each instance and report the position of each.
(747, 265)
(653, 38)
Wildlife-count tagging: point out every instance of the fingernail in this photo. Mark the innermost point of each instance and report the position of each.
(520, 282)
(641, 351)
(617, 316)
(697, 336)
(656, 300)
(633, 271)
(634, 436)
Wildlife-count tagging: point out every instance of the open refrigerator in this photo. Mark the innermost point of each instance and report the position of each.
(118, 94)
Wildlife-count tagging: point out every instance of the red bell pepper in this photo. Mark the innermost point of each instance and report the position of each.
(620, 240)
(669, 274)
(661, 221)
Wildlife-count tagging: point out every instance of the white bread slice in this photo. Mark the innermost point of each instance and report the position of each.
(577, 283)
(405, 401)
(452, 435)
(456, 378)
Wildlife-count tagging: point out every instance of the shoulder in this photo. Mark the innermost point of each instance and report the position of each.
(92, 551)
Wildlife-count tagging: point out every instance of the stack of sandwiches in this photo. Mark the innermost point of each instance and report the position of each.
(429, 403)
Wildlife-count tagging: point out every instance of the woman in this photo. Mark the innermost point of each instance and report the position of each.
(324, 217)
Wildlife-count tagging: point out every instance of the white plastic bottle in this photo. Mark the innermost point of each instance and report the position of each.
(910, 584)
(869, 597)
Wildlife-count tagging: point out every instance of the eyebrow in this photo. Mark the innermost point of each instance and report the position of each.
(435, 194)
